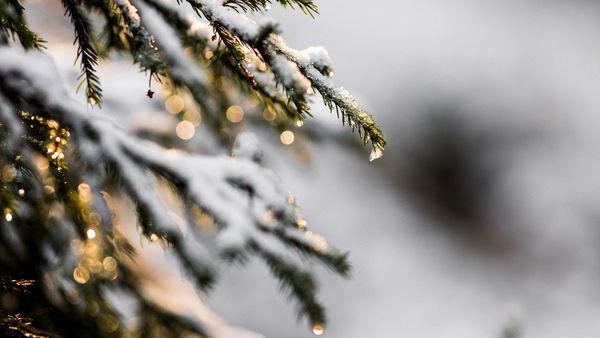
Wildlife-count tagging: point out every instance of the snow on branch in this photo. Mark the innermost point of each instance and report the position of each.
(312, 63)
(154, 33)
(314, 67)
(248, 203)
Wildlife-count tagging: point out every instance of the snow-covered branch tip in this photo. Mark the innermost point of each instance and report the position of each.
(252, 210)
(312, 64)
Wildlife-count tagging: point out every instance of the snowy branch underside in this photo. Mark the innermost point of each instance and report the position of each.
(246, 201)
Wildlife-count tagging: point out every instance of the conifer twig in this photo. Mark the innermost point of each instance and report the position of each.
(263, 39)
(86, 53)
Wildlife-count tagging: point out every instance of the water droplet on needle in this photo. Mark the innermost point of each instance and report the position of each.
(375, 153)
(318, 330)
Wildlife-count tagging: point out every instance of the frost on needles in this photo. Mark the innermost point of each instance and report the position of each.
(60, 163)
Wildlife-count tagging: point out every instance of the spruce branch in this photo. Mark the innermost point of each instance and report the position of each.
(16, 285)
(13, 23)
(115, 31)
(334, 96)
(300, 284)
(254, 77)
(263, 39)
(86, 53)
(236, 50)
(306, 6)
(247, 201)
(141, 45)
(17, 325)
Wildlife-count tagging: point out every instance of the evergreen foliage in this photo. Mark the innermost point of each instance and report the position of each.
(59, 164)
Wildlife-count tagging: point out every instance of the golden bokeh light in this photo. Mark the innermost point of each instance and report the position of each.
(174, 104)
(287, 137)
(91, 233)
(41, 163)
(318, 330)
(269, 115)
(92, 249)
(185, 130)
(81, 275)
(193, 116)
(85, 192)
(8, 173)
(53, 124)
(94, 265)
(234, 114)
(109, 264)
